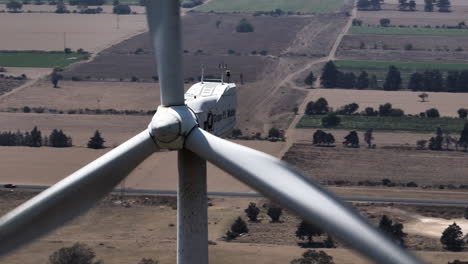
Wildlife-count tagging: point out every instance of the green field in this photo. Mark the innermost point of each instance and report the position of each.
(380, 68)
(407, 31)
(39, 59)
(397, 124)
(249, 6)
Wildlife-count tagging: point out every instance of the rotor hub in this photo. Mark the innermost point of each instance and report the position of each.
(170, 125)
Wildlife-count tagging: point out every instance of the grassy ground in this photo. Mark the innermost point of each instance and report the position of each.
(303, 6)
(412, 124)
(380, 68)
(39, 59)
(408, 31)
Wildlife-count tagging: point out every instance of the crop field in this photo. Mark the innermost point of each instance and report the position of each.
(303, 6)
(408, 31)
(51, 32)
(397, 124)
(39, 59)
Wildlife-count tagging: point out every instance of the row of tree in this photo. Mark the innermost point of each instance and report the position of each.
(429, 80)
(56, 139)
(441, 140)
(405, 5)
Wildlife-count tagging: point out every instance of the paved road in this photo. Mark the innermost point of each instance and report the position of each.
(256, 195)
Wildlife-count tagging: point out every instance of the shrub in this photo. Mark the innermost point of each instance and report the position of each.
(452, 238)
(331, 120)
(26, 109)
(314, 257)
(96, 141)
(384, 22)
(408, 46)
(274, 213)
(352, 140)
(462, 112)
(239, 226)
(78, 253)
(236, 133)
(317, 108)
(310, 79)
(274, 132)
(67, 50)
(252, 212)
(244, 26)
(148, 261)
(307, 231)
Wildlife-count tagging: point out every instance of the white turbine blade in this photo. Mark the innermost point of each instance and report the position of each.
(73, 195)
(301, 195)
(164, 26)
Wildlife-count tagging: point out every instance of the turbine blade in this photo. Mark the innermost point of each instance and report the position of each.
(73, 195)
(164, 27)
(301, 195)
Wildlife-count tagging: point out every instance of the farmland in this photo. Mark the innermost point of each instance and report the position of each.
(39, 59)
(397, 124)
(408, 31)
(402, 165)
(51, 32)
(303, 6)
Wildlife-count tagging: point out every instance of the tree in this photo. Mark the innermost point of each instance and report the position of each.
(416, 82)
(310, 79)
(385, 109)
(76, 254)
(395, 231)
(346, 80)
(373, 83)
(385, 22)
(429, 5)
(363, 4)
(462, 113)
(319, 107)
(122, 9)
(369, 111)
(61, 8)
(412, 5)
(348, 109)
(452, 238)
(462, 82)
(252, 212)
(275, 213)
(314, 257)
(244, 26)
(96, 141)
(375, 4)
(329, 77)
(368, 137)
(463, 141)
(307, 231)
(432, 113)
(403, 5)
(393, 80)
(435, 143)
(423, 97)
(331, 120)
(239, 226)
(58, 139)
(35, 138)
(362, 81)
(14, 6)
(433, 81)
(443, 5)
(352, 140)
(451, 81)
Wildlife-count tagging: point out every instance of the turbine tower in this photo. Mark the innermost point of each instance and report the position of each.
(176, 127)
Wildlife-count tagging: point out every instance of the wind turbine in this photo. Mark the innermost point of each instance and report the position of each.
(176, 127)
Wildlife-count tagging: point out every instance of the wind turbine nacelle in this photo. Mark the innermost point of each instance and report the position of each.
(215, 105)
